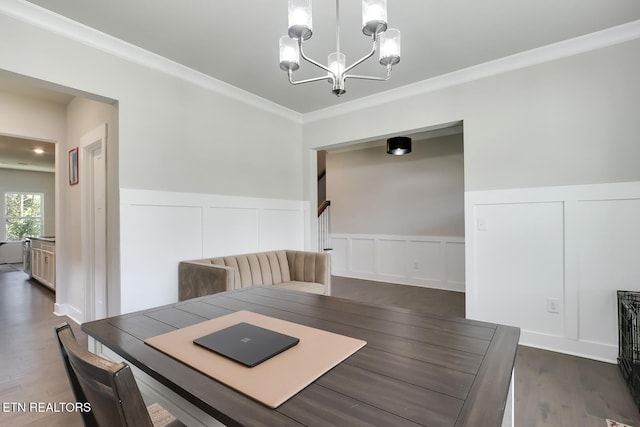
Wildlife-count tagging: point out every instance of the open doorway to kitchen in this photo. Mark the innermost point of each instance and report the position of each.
(43, 111)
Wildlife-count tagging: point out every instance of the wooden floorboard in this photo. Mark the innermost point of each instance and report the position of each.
(435, 301)
(551, 389)
(31, 370)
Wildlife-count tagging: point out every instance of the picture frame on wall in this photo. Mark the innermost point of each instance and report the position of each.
(73, 166)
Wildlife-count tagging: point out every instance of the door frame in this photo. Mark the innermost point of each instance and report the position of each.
(93, 140)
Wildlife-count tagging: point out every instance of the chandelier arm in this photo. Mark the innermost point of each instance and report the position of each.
(381, 79)
(315, 79)
(317, 64)
(364, 58)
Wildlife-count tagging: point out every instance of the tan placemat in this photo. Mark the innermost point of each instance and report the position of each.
(273, 381)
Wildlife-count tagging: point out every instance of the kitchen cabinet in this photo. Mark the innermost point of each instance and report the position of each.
(43, 261)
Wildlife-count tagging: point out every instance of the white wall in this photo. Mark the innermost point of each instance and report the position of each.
(31, 118)
(564, 122)
(575, 244)
(419, 194)
(569, 121)
(178, 131)
(164, 228)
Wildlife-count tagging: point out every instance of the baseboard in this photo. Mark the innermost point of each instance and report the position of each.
(590, 350)
(69, 311)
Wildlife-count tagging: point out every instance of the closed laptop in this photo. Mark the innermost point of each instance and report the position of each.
(247, 344)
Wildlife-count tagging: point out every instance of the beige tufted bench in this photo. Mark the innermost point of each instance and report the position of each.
(297, 270)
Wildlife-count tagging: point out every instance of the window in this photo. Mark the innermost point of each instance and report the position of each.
(23, 215)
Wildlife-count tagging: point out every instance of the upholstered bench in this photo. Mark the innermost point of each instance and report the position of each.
(298, 270)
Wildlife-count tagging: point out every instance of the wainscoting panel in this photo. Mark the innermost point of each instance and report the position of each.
(229, 231)
(281, 229)
(160, 229)
(435, 262)
(426, 260)
(340, 254)
(549, 260)
(154, 237)
(390, 258)
(454, 254)
(609, 259)
(520, 265)
(363, 255)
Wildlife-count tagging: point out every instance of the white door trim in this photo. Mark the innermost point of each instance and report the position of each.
(93, 252)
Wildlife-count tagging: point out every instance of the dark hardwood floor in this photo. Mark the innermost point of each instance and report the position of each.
(551, 389)
(435, 301)
(31, 370)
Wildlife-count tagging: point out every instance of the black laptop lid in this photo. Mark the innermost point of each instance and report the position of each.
(247, 343)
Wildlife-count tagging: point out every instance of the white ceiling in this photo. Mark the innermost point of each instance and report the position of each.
(236, 41)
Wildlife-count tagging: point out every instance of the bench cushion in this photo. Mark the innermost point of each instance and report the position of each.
(314, 288)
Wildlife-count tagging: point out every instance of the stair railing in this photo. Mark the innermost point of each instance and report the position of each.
(324, 231)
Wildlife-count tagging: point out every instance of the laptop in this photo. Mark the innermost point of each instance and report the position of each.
(246, 343)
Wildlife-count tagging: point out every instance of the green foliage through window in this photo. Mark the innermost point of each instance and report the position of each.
(23, 215)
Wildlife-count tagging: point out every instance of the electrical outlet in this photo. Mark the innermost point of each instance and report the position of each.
(553, 305)
(416, 265)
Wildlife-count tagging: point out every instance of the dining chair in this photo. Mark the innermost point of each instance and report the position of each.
(108, 387)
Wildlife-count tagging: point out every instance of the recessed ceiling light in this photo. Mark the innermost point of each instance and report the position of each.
(38, 150)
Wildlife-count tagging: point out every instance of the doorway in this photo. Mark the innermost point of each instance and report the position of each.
(399, 219)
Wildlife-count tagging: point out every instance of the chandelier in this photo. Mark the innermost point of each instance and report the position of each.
(374, 25)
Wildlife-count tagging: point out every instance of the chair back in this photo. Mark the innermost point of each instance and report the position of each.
(108, 387)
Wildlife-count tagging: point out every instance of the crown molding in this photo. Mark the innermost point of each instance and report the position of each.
(50, 21)
(574, 46)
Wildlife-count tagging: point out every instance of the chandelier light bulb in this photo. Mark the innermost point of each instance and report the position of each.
(289, 54)
(390, 47)
(337, 63)
(374, 16)
(300, 19)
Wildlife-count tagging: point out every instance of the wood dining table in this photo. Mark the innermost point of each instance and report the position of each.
(417, 369)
